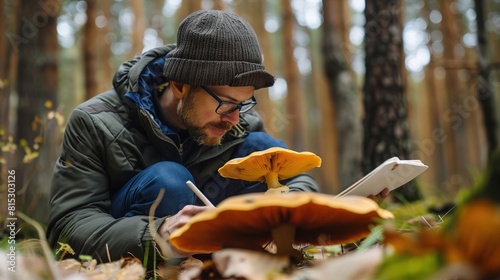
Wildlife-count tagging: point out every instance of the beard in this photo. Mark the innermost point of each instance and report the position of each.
(188, 116)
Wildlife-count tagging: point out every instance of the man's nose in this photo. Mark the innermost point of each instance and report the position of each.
(232, 118)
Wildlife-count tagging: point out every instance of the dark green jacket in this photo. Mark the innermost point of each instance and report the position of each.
(113, 136)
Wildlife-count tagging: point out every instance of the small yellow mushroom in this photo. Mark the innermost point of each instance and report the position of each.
(270, 166)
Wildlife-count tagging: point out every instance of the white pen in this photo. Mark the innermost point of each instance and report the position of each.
(199, 194)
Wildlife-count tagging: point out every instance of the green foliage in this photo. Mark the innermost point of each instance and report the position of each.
(85, 258)
(407, 267)
(487, 185)
(376, 236)
(411, 216)
(4, 242)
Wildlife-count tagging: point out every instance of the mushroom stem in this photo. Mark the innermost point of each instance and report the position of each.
(272, 180)
(283, 237)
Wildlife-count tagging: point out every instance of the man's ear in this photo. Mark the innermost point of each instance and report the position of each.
(179, 89)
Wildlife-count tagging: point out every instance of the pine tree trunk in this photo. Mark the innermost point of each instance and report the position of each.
(485, 91)
(5, 54)
(294, 101)
(96, 48)
(385, 123)
(456, 118)
(343, 93)
(325, 135)
(427, 146)
(253, 12)
(5, 90)
(37, 85)
(139, 27)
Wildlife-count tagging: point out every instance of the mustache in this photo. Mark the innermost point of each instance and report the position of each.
(220, 125)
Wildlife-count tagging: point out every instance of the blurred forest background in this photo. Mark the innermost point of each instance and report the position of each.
(357, 82)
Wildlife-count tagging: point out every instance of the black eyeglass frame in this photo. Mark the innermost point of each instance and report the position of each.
(243, 106)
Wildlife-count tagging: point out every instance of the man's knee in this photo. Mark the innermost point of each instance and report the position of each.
(137, 196)
(168, 174)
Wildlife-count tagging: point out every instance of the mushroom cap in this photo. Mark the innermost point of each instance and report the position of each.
(246, 221)
(287, 163)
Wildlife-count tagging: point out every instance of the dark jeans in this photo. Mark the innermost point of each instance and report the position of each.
(137, 196)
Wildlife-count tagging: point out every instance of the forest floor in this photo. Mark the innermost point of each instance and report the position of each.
(423, 241)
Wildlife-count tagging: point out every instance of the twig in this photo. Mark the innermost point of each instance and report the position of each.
(425, 220)
(152, 228)
(448, 212)
(107, 252)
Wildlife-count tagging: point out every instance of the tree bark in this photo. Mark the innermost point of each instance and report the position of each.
(343, 92)
(427, 146)
(455, 118)
(386, 132)
(5, 91)
(485, 92)
(139, 27)
(5, 82)
(37, 85)
(294, 101)
(96, 48)
(254, 12)
(325, 134)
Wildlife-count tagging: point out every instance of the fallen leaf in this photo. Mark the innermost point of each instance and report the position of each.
(251, 265)
(351, 266)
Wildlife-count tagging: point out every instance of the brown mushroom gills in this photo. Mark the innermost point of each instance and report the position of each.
(251, 221)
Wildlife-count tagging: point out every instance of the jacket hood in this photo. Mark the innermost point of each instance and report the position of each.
(127, 77)
(137, 80)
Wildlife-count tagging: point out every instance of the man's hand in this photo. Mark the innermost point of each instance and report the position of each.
(175, 222)
(380, 196)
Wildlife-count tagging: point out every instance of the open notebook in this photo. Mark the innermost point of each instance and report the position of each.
(391, 174)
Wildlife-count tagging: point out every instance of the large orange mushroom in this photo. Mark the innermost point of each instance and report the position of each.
(250, 221)
(270, 166)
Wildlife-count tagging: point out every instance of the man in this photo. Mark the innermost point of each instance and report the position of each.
(176, 113)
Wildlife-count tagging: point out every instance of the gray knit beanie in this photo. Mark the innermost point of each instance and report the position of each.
(216, 48)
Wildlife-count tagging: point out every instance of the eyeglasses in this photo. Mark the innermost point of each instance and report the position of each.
(226, 107)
